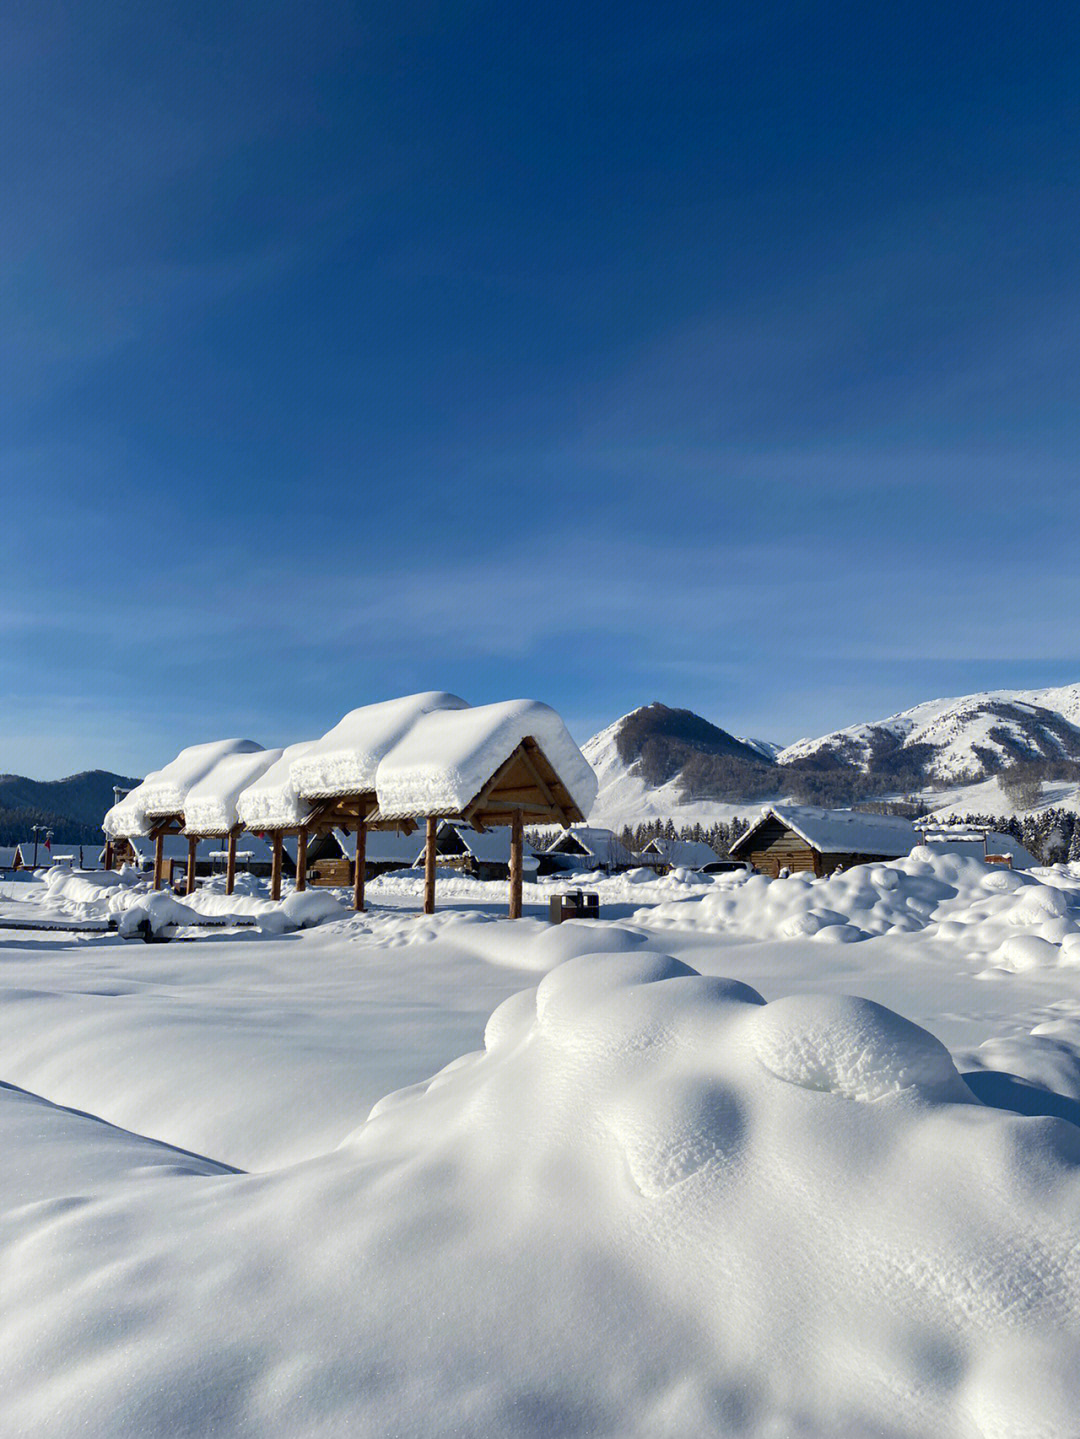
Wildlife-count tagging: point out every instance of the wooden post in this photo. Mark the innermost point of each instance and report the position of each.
(159, 859)
(301, 860)
(230, 864)
(108, 854)
(516, 865)
(361, 866)
(191, 847)
(275, 867)
(429, 866)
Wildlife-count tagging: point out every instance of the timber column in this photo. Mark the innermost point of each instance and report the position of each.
(429, 866)
(361, 866)
(159, 859)
(301, 859)
(516, 864)
(191, 846)
(230, 864)
(275, 867)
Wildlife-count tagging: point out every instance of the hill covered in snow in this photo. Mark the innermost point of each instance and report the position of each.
(1000, 752)
(952, 739)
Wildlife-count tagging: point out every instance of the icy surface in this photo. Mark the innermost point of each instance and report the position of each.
(344, 761)
(446, 758)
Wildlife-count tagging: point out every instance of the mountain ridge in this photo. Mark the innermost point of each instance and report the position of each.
(970, 742)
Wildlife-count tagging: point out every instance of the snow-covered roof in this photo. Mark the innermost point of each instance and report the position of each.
(381, 846)
(839, 831)
(683, 853)
(601, 844)
(492, 846)
(211, 803)
(448, 756)
(164, 791)
(271, 801)
(345, 759)
(973, 845)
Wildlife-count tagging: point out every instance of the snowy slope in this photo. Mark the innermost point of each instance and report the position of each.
(967, 736)
(624, 797)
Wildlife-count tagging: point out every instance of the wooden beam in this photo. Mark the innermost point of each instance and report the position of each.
(516, 865)
(301, 859)
(192, 845)
(230, 863)
(108, 854)
(361, 866)
(275, 867)
(159, 859)
(429, 865)
(527, 748)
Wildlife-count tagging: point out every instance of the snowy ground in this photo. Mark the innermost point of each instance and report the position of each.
(634, 1201)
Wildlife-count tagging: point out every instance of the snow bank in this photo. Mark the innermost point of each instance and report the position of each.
(652, 1205)
(344, 761)
(1014, 920)
(210, 806)
(154, 913)
(446, 757)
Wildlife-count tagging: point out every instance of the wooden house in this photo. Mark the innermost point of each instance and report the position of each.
(332, 857)
(583, 847)
(803, 838)
(479, 854)
(664, 855)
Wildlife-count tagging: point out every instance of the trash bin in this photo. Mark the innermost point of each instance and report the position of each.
(574, 905)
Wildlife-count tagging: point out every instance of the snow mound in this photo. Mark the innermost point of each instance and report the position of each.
(210, 806)
(344, 761)
(1015, 920)
(648, 1207)
(851, 1047)
(272, 801)
(154, 913)
(164, 791)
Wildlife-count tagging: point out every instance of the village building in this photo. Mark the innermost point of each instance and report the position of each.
(585, 848)
(332, 857)
(803, 838)
(665, 855)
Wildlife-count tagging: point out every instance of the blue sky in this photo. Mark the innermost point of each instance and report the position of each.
(723, 355)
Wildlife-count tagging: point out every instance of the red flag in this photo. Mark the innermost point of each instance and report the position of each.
(48, 843)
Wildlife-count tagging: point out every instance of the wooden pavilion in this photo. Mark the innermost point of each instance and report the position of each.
(398, 766)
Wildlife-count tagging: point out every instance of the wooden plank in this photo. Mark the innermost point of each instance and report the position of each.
(301, 859)
(230, 863)
(516, 866)
(192, 845)
(275, 866)
(159, 859)
(429, 865)
(361, 866)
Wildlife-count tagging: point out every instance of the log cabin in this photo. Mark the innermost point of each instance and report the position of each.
(805, 839)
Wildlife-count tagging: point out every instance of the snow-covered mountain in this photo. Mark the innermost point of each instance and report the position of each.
(660, 763)
(647, 761)
(950, 739)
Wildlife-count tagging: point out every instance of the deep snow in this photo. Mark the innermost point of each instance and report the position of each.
(604, 1189)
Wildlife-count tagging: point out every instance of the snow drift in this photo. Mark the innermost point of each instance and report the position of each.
(651, 1205)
